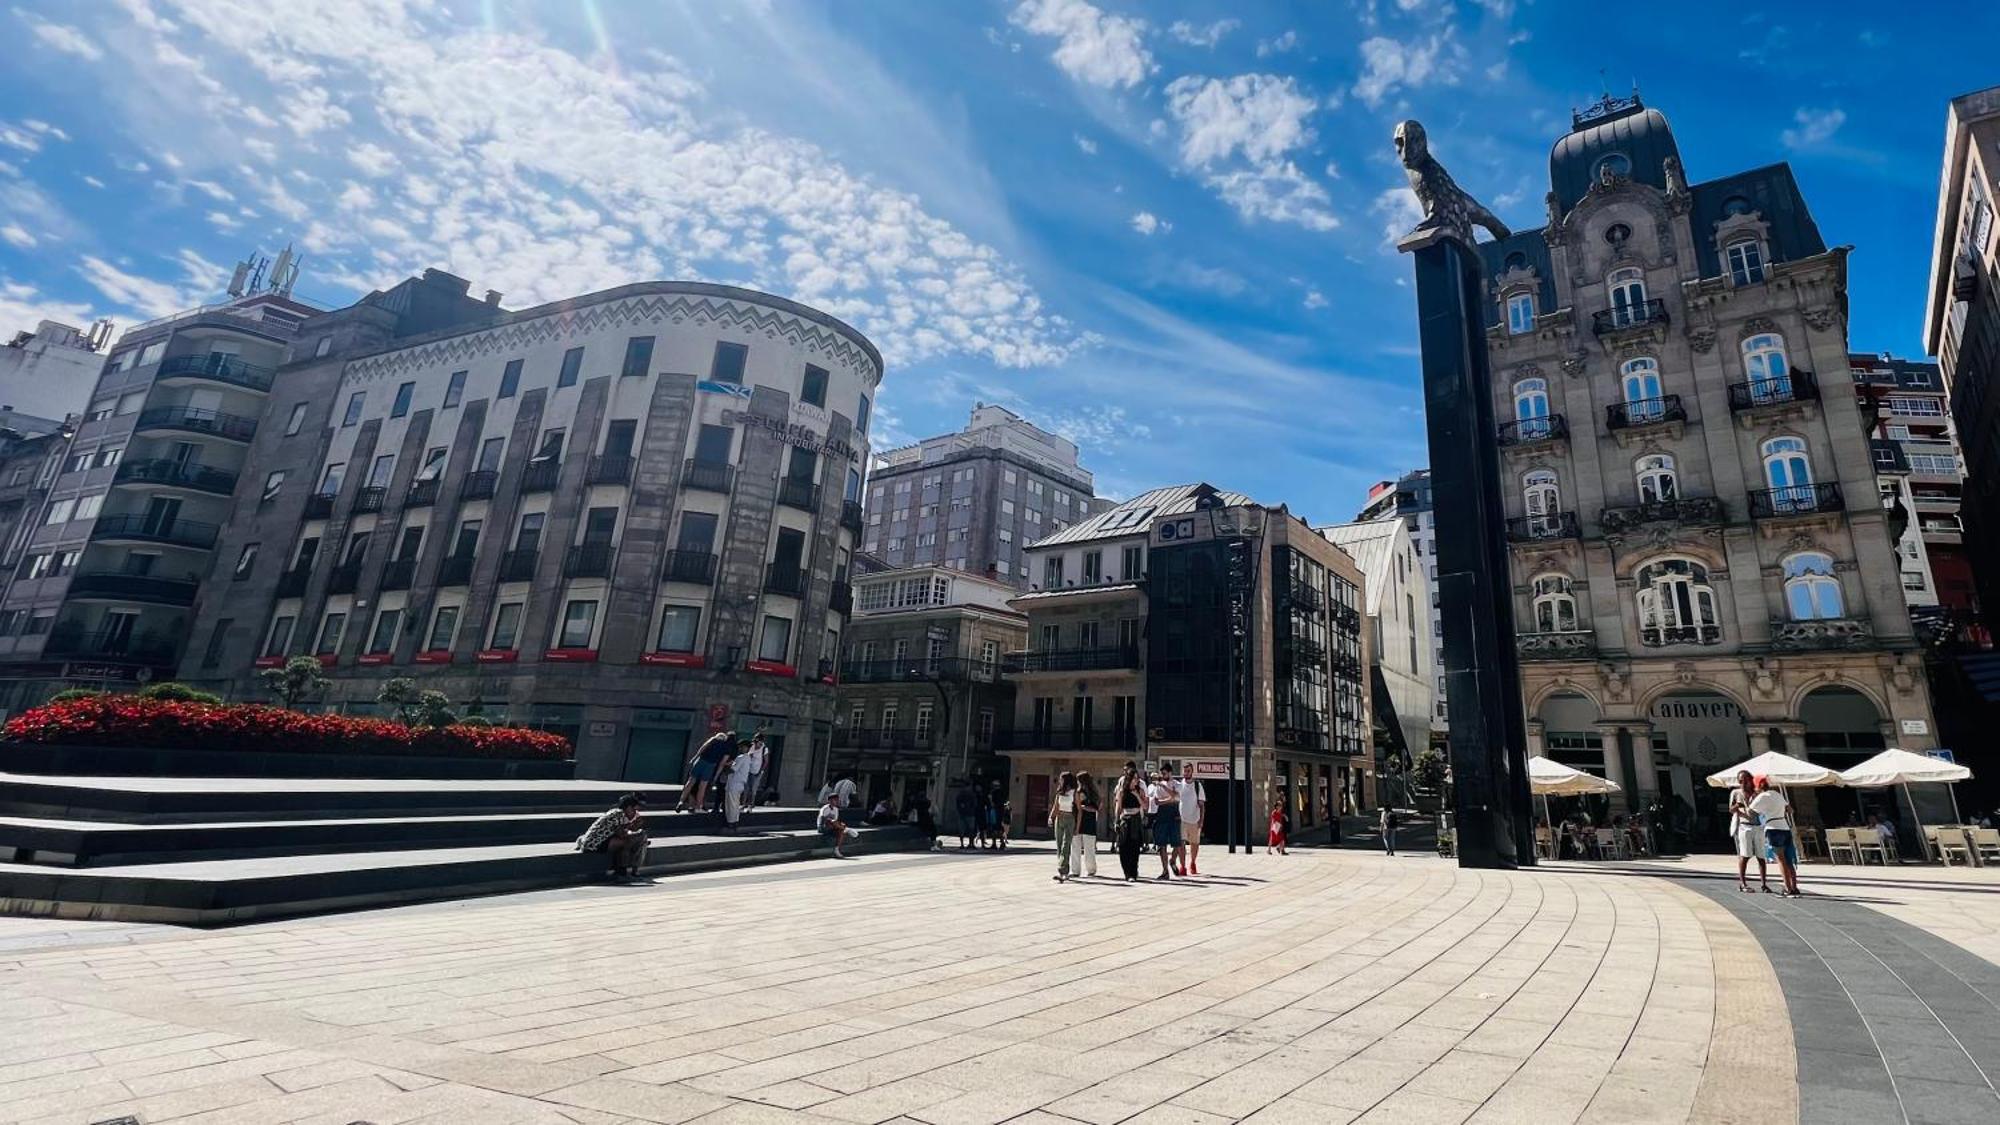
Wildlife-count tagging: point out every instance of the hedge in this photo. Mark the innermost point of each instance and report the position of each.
(128, 720)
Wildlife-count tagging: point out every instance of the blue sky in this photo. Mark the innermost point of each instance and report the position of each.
(1159, 228)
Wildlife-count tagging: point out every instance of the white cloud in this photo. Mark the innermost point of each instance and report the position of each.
(141, 294)
(1184, 274)
(14, 137)
(22, 306)
(62, 37)
(1277, 46)
(1400, 212)
(1260, 116)
(372, 159)
(1203, 35)
(1388, 63)
(16, 237)
(1277, 192)
(223, 221)
(1094, 47)
(1149, 224)
(1815, 127)
(1315, 299)
(1088, 146)
(93, 181)
(45, 128)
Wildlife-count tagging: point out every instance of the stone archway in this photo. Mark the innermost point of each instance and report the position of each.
(1695, 731)
(1843, 728)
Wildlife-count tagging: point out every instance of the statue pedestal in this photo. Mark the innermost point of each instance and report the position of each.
(1482, 671)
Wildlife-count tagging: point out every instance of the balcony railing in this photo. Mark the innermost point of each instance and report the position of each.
(456, 570)
(218, 368)
(519, 566)
(1829, 632)
(1796, 500)
(697, 567)
(610, 469)
(1644, 412)
(318, 506)
(422, 494)
(1572, 645)
(344, 578)
(840, 599)
(1537, 529)
(73, 643)
(871, 738)
(800, 494)
(133, 587)
(588, 560)
(790, 581)
(850, 515)
(148, 529)
(292, 583)
(1688, 511)
(1660, 635)
(1530, 431)
(397, 575)
(541, 475)
(1626, 317)
(1070, 738)
(478, 485)
(369, 500)
(952, 669)
(708, 476)
(1071, 660)
(162, 471)
(1797, 385)
(190, 420)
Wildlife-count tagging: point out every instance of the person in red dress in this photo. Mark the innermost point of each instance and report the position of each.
(1280, 828)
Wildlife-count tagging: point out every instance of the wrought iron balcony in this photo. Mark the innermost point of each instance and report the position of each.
(588, 560)
(1533, 431)
(1644, 412)
(344, 578)
(397, 574)
(292, 583)
(800, 494)
(1796, 500)
(189, 420)
(422, 494)
(1539, 529)
(696, 567)
(708, 476)
(216, 368)
(1571, 645)
(478, 485)
(133, 587)
(519, 566)
(148, 529)
(840, 599)
(369, 500)
(1626, 317)
(541, 475)
(456, 570)
(1656, 636)
(1826, 632)
(318, 506)
(951, 669)
(850, 515)
(1796, 385)
(161, 471)
(873, 738)
(1688, 511)
(610, 469)
(1071, 660)
(791, 581)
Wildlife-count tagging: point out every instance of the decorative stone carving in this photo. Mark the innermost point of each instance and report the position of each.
(1835, 632)
(1764, 681)
(1688, 511)
(1573, 362)
(1556, 646)
(1528, 371)
(1757, 326)
(1684, 672)
(1820, 319)
(1701, 339)
(1679, 199)
(1448, 208)
(1554, 204)
(1617, 682)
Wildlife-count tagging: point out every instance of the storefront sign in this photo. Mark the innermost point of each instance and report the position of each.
(375, 658)
(771, 668)
(1942, 755)
(603, 730)
(674, 659)
(570, 656)
(1916, 726)
(803, 437)
(1671, 708)
(497, 656)
(437, 656)
(1213, 769)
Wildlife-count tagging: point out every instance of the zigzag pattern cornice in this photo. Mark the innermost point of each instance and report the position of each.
(653, 310)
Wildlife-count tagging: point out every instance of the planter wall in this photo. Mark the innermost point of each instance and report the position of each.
(123, 761)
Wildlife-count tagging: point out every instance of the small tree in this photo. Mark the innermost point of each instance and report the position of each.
(180, 693)
(416, 707)
(70, 694)
(1432, 773)
(299, 681)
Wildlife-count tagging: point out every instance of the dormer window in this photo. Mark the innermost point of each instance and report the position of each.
(1614, 164)
(1746, 261)
(1735, 205)
(1520, 314)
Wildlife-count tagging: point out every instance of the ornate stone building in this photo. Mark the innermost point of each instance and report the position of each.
(1702, 567)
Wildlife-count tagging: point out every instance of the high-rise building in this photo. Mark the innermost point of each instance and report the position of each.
(1702, 567)
(1408, 499)
(1404, 668)
(627, 516)
(1962, 324)
(975, 499)
(49, 373)
(1917, 469)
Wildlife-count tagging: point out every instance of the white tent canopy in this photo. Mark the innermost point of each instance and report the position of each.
(1781, 770)
(1901, 767)
(1550, 778)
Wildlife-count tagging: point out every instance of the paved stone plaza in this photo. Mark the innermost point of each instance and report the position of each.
(1323, 987)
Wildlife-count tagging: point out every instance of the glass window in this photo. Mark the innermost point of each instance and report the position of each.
(1627, 289)
(272, 484)
(1555, 604)
(1764, 362)
(380, 472)
(329, 633)
(87, 506)
(434, 462)
(812, 391)
(1641, 382)
(354, 403)
(1657, 483)
(638, 356)
(1543, 499)
(1521, 313)
(298, 419)
(729, 362)
(506, 626)
(324, 346)
(444, 626)
(280, 638)
(398, 408)
(1812, 592)
(454, 390)
(1788, 471)
(489, 454)
(774, 640)
(1531, 407)
(384, 637)
(572, 364)
(510, 379)
(678, 626)
(861, 416)
(1746, 261)
(329, 484)
(579, 624)
(1676, 603)
(245, 562)
(60, 512)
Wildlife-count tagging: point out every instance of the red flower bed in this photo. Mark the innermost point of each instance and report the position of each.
(127, 720)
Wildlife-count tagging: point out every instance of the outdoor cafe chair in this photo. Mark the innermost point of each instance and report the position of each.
(1865, 841)
(1840, 840)
(1609, 846)
(1545, 842)
(1985, 844)
(1946, 840)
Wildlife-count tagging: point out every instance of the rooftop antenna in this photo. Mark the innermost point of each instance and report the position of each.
(237, 279)
(284, 272)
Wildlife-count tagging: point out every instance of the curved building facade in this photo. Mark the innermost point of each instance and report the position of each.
(628, 517)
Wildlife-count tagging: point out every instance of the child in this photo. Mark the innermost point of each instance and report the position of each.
(832, 827)
(1281, 826)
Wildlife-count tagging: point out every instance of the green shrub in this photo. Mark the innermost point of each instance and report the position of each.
(69, 694)
(181, 692)
(475, 721)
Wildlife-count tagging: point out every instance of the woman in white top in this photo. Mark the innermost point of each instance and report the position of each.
(1062, 821)
(1774, 815)
(1748, 838)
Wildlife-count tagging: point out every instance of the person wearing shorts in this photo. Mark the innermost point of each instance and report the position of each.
(1166, 821)
(702, 766)
(1748, 838)
(1775, 813)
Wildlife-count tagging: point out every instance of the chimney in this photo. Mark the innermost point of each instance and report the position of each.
(493, 297)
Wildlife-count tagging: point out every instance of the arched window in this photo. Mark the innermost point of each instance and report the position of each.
(1657, 483)
(1520, 314)
(1628, 296)
(1677, 604)
(1788, 470)
(1555, 604)
(1736, 205)
(1764, 362)
(1544, 501)
(1643, 401)
(1746, 261)
(1531, 407)
(1812, 593)
(1516, 261)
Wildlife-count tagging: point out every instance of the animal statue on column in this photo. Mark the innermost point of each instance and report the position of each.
(1446, 206)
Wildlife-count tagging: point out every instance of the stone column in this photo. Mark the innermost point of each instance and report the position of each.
(1795, 738)
(1760, 740)
(1537, 730)
(1617, 753)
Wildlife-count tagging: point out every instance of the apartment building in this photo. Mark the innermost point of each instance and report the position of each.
(1408, 500)
(1918, 472)
(1403, 666)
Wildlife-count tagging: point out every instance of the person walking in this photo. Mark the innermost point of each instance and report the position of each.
(621, 834)
(1062, 822)
(1083, 861)
(1745, 834)
(1281, 827)
(702, 766)
(759, 755)
(1131, 811)
(1774, 815)
(966, 804)
(1166, 821)
(1387, 818)
(1194, 810)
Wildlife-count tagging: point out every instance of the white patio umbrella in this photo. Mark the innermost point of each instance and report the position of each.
(1782, 770)
(1551, 778)
(1901, 767)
